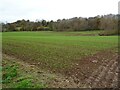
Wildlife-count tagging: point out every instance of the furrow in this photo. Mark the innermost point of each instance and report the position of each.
(102, 74)
(106, 80)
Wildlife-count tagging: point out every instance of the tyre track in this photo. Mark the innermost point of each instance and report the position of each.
(105, 76)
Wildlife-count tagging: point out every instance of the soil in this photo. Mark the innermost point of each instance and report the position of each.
(99, 70)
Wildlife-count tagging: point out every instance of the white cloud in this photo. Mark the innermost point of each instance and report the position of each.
(12, 10)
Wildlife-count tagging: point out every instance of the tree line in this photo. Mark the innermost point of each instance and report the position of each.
(104, 22)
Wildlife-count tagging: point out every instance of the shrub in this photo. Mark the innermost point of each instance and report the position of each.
(109, 32)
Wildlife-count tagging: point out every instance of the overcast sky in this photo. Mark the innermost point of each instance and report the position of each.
(12, 10)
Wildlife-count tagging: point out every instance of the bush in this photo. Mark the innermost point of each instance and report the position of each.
(109, 33)
(43, 28)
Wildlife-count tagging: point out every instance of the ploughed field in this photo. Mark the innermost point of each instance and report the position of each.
(83, 58)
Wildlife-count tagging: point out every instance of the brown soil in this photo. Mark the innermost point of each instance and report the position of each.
(99, 70)
(40, 76)
(81, 34)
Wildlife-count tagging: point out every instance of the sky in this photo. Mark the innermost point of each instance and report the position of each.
(13, 10)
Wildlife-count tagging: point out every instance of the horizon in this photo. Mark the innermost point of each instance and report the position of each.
(33, 10)
(57, 19)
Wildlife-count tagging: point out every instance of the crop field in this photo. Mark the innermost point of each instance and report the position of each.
(70, 54)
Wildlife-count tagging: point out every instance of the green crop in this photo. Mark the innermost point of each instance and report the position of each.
(55, 50)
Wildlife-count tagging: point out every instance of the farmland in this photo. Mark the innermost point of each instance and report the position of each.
(70, 54)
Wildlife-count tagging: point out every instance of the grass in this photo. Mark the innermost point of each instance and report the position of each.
(9, 73)
(55, 49)
(13, 77)
(51, 33)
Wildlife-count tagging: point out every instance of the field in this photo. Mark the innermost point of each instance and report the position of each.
(71, 56)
